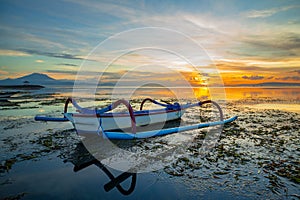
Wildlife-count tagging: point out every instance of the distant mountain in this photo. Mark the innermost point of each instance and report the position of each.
(35, 79)
(268, 84)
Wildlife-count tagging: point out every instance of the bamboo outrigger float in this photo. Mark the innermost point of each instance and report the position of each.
(108, 123)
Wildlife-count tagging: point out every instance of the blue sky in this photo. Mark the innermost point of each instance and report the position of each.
(55, 36)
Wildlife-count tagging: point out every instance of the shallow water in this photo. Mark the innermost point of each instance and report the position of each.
(256, 156)
(283, 106)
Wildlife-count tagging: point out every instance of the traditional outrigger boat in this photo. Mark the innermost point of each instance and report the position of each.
(109, 123)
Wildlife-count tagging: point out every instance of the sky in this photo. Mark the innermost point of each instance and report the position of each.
(240, 42)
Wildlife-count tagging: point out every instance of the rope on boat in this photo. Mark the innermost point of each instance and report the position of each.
(100, 128)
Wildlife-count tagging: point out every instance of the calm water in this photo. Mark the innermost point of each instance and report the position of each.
(253, 159)
(232, 93)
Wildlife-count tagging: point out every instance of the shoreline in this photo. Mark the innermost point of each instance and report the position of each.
(22, 87)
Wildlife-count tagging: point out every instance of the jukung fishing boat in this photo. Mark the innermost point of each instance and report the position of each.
(111, 124)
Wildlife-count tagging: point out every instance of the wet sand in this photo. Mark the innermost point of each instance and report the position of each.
(255, 157)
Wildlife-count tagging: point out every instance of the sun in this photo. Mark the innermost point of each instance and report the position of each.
(195, 79)
(199, 81)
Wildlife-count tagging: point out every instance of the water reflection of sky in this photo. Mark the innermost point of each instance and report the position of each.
(273, 93)
(232, 93)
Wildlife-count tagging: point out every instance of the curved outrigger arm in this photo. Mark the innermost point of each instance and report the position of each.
(177, 106)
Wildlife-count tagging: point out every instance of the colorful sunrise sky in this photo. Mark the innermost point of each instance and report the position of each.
(248, 41)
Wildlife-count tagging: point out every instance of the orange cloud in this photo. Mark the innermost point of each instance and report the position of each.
(5, 52)
(62, 76)
(2, 72)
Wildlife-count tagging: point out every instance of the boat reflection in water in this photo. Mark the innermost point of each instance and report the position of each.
(81, 159)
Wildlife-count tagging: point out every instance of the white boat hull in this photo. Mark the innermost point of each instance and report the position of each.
(91, 123)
